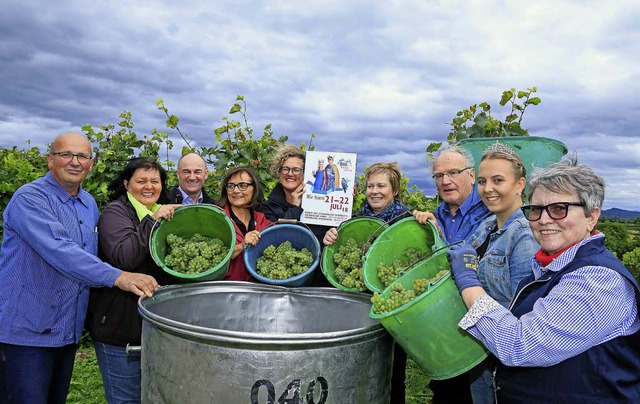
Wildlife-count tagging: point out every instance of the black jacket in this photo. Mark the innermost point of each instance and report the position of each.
(276, 207)
(175, 196)
(124, 243)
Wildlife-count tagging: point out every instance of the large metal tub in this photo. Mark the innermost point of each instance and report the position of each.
(237, 342)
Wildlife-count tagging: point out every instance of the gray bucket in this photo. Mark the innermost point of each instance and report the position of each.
(237, 342)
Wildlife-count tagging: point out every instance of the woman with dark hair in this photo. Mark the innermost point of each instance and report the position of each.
(242, 197)
(124, 229)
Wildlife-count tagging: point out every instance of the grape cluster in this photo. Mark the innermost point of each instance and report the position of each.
(400, 296)
(283, 262)
(389, 273)
(195, 254)
(348, 262)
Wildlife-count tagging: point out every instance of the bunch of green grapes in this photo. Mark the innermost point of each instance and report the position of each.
(348, 265)
(283, 262)
(437, 276)
(400, 296)
(195, 254)
(389, 273)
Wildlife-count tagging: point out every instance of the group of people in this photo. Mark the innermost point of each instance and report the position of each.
(557, 311)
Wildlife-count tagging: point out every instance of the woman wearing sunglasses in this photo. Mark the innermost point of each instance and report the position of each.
(241, 199)
(570, 334)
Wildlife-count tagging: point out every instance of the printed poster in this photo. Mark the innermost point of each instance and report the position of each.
(329, 179)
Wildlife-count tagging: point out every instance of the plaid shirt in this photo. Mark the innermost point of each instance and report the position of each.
(589, 306)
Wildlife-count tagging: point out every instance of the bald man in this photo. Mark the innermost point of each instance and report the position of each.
(192, 173)
(48, 263)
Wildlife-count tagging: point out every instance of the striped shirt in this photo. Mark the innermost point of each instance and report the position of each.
(47, 264)
(588, 306)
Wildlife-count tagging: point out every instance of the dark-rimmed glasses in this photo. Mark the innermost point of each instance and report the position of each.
(68, 156)
(294, 170)
(242, 186)
(451, 174)
(556, 211)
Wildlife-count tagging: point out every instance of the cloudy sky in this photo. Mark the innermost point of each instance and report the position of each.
(380, 79)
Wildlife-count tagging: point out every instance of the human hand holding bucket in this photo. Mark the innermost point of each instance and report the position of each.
(464, 265)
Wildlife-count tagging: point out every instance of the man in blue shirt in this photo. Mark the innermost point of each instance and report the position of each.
(48, 263)
(192, 172)
(461, 210)
(458, 217)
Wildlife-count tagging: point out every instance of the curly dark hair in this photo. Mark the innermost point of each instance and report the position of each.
(116, 188)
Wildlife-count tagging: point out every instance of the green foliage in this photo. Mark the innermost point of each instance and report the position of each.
(631, 260)
(113, 148)
(617, 238)
(483, 124)
(18, 167)
(86, 382)
(236, 145)
(477, 121)
(417, 390)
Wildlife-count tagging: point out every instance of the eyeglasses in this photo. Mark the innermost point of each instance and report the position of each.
(68, 156)
(241, 186)
(451, 174)
(287, 170)
(556, 211)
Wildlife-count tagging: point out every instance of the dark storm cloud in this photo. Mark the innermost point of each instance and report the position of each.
(379, 79)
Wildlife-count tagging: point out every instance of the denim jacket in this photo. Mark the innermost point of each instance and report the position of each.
(508, 256)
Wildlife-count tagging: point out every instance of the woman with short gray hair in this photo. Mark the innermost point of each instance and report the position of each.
(571, 334)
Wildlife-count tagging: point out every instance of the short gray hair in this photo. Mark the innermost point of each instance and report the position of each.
(570, 177)
(468, 157)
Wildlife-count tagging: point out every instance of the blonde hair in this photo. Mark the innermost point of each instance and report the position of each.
(285, 152)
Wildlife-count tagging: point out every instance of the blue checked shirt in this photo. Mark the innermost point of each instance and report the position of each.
(466, 220)
(589, 306)
(47, 264)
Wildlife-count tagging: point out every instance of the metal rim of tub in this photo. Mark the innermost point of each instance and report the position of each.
(256, 338)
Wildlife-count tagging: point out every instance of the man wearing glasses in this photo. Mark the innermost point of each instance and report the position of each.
(192, 172)
(48, 263)
(458, 216)
(461, 210)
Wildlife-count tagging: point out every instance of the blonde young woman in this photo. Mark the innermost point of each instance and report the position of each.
(503, 242)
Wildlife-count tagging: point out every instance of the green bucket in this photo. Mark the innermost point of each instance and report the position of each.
(360, 229)
(391, 244)
(427, 327)
(535, 152)
(207, 220)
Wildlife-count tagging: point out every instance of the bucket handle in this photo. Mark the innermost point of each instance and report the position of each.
(284, 221)
(413, 264)
(367, 243)
(292, 221)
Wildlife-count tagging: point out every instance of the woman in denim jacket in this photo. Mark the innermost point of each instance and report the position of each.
(504, 242)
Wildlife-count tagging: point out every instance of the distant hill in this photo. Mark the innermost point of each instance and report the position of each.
(620, 213)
